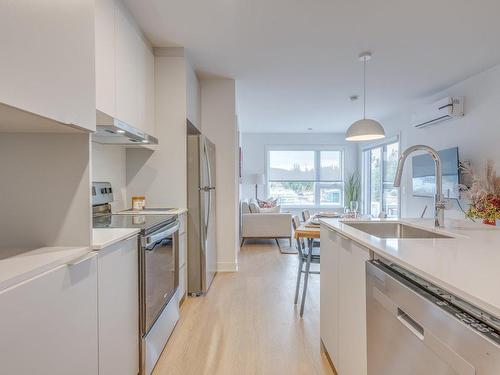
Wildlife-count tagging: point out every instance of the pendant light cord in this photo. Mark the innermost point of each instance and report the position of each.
(364, 88)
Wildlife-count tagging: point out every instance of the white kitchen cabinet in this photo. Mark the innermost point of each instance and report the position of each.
(47, 59)
(125, 80)
(352, 308)
(48, 324)
(118, 292)
(127, 68)
(343, 302)
(148, 69)
(105, 69)
(182, 256)
(329, 299)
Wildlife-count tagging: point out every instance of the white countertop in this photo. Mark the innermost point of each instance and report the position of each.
(467, 265)
(166, 211)
(19, 265)
(104, 237)
(178, 211)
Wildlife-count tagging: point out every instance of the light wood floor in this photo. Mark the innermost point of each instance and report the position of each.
(247, 323)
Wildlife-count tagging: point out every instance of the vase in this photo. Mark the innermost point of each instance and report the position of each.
(489, 222)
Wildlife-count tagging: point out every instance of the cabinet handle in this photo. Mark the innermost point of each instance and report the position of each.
(411, 324)
(81, 259)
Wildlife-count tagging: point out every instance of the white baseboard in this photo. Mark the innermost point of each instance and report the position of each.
(227, 267)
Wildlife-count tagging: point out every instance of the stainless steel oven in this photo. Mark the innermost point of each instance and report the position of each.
(158, 275)
(158, 269)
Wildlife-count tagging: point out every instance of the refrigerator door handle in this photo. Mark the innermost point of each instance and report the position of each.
(207, 189)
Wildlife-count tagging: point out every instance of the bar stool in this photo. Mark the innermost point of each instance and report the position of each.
(306, 256)
(305, 215)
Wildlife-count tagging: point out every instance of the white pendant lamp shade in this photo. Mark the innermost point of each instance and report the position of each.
(365, 129)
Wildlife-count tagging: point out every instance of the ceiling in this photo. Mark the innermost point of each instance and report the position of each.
(295, 61)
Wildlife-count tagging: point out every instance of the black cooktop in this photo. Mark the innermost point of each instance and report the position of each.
(143, 222)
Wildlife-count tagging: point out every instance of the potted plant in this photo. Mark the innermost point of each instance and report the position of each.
(483, 194)
(351, 191)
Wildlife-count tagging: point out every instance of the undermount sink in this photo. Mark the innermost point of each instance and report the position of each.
(395, 230)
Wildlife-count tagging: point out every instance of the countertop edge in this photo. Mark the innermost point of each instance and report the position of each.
(114, 236)
(73, 253)
(434, 279)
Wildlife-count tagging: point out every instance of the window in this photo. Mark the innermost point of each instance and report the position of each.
(379, 169)
(302, 177)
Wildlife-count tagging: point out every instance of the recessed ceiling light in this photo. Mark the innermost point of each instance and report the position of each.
(120, 131)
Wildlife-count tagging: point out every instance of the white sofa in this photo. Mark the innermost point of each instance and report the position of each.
(265, 224)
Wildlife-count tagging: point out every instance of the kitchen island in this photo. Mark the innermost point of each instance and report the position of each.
(463, 261)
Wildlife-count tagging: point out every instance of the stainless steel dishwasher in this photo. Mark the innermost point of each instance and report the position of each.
(416, 328)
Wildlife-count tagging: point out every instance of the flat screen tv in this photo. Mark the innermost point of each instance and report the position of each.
(424, 182)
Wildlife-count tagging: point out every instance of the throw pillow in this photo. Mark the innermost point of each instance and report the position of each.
(267, 203)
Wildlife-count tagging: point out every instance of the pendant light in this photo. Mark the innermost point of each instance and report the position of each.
(365, 129)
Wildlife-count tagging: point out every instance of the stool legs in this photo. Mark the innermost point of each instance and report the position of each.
(306, 276)
(299, 274)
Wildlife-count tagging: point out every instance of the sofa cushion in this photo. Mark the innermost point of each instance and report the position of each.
(245, 208)
(254, 207)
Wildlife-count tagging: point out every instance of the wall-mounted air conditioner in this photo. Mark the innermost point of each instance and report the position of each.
(441, 110)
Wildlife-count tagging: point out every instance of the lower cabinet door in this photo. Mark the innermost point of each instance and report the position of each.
(118, 291)
(329, 294)
(352, 308)
(48, 324)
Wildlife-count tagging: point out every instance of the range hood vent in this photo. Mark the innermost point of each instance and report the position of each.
(110, 130)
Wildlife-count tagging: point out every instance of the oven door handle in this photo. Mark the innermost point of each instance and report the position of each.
(155, 237)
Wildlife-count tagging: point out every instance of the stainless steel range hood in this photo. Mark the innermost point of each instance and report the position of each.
(110, 130)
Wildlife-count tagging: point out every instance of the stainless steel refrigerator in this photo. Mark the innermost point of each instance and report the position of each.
(202, 241)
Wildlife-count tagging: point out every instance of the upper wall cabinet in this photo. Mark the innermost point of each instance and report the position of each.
(124, 67)
(105, 70)
(47, 63)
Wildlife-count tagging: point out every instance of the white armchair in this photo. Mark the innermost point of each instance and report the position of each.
(265, 225)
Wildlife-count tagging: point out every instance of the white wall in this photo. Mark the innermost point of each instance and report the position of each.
(218, 115)
(193, 96)
(108, 164)
(477, 135)
(161, 175)
(45, 190)
(253, 147)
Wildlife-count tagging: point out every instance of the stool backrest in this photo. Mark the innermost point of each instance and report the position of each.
(300, 242)
(305, 215)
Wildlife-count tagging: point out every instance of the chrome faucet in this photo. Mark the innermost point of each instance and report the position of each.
(439, 203)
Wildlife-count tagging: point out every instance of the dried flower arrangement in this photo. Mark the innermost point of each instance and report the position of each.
(483, 194)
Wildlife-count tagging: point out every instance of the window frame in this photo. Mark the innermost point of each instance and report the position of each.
(317, 170)
(366, 177)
